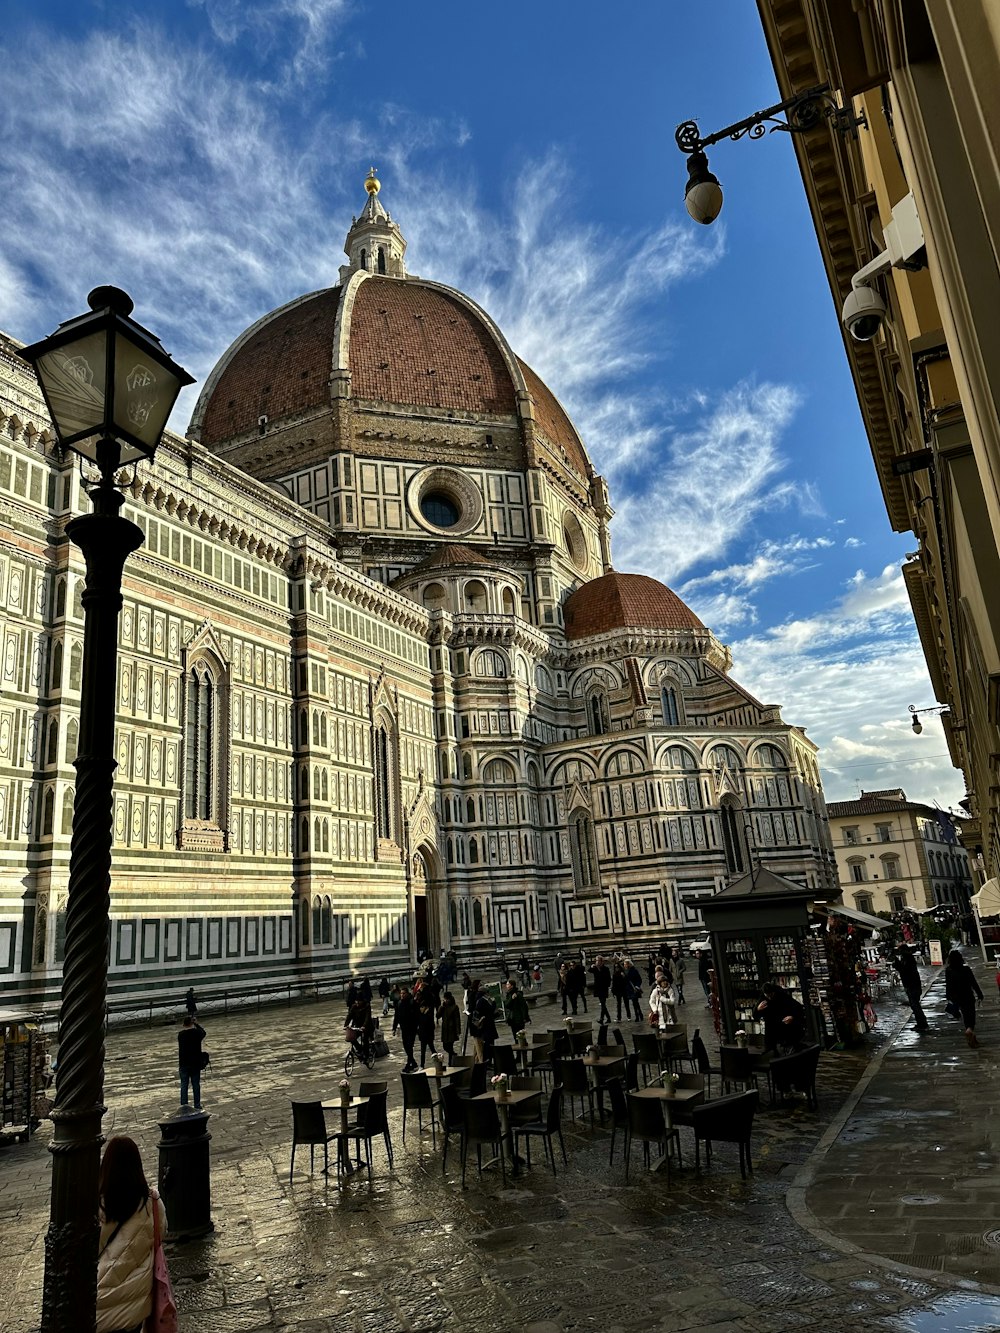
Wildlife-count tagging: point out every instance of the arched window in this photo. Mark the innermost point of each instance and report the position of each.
(48, 813)
(858, 869)
(67, 811)
(304, 922)
(477, 917)
(582, 850)
(890, 867)
(304, 783)
(52, 752)
(381, 259)
(507, 598)
(473, 851)
(317, 915)
(453, 918)
(475, 596)
(327, 921)
(385, 770)
(200, 724)
(769, 756)
(733, 837)
(434, 596)
(600, 720)
(364, 257)
(678, 757)
(671, 713)
(489, 662)
(470, 811)
(466, 766)
(55, 674)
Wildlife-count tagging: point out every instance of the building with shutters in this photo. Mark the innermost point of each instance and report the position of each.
(380, 688)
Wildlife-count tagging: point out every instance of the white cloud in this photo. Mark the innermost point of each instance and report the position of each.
(289, 37)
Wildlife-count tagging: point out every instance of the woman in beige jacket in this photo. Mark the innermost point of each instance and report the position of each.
(125, 1260)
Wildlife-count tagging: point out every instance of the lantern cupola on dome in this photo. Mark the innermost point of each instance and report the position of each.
(374, 243)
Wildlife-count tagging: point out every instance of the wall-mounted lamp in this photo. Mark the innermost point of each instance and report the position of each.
(804, 111)
(915, 722)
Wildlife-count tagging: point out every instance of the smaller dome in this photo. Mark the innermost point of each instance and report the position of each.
(454, 555)
(624, 601)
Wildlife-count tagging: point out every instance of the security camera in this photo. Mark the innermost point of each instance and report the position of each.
(864, 309)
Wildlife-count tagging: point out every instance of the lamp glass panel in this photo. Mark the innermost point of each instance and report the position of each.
(145, 393)
(74, 379)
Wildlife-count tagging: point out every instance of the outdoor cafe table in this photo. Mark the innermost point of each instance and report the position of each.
(522, 1052)
(504, 1103)
(603, 1065)
(442, 1075)
(344, 1108)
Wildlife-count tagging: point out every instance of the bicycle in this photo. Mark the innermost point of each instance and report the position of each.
(361, 1050)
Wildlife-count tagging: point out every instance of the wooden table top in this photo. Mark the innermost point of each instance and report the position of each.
(449, 1071)
(511, 1099)
(338, 1105)
(603, 1061)
(660, 1094)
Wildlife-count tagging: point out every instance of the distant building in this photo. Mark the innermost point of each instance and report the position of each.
(379, 688)
(894, 854)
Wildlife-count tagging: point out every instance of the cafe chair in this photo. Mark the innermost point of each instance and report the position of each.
(504, 1060)
(618, 1038)
(579, 1041)
(647, 1123)
(374, 1125)
(647, 1048)
(703, 1063)
(602, 1035)
(477, 1082)
(452, 1117)
(726, 1120)
(545, 1130)
(309, 1126)
(632, 1073)
(576, 1083)
(619, 1114)
(540, 1062)
(796, 1073)
(417, 1096)
(527, 1111)
(482, 1125)
(680, 1114)
(737, 1067)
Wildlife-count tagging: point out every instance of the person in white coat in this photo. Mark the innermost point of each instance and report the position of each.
(125, 1255)
(662, 1000)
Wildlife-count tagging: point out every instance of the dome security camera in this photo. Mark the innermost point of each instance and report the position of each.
(863, 313)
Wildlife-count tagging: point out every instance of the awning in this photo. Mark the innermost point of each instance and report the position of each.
(987, 900)
(852, 914)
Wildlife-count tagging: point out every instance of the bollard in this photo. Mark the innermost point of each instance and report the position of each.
(184, 1179)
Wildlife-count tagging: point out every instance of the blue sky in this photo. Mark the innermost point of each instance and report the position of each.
(208, 156)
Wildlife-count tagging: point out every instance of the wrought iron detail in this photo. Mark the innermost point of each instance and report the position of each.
(803, 112)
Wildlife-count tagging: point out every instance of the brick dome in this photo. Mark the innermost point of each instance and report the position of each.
(624, 601)
(406, 343)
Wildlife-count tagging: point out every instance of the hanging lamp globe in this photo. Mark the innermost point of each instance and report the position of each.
(703, 193)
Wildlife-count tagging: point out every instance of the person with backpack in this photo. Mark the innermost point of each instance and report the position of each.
(191, 1060)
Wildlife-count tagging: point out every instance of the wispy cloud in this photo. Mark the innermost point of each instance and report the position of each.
(289, 38)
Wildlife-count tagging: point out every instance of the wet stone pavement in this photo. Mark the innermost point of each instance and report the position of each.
(411, 1252)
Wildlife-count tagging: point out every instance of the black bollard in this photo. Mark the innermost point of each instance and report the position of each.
(184, 1181)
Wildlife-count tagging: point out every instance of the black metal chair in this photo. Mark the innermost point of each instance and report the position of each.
(477, 1083)
(525, 1113)
(680, 1114)
(576, 1083)
(309, 1126)
(482, 1125)
(417, 1097)
(703, 1063)
(376, 1088)
(726, 1120)
(647, 1048)
(579, 1041)
(452, 1117)
(504, 1060)
(545, 1130)
(647, 1123)
(632, 1073)
(737, 1067)
(602, 1034)
(619, 1114)
(796, 1073)
(375, 1124)
(618, 1038)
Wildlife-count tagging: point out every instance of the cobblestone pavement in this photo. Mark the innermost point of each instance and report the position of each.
(411, 1252)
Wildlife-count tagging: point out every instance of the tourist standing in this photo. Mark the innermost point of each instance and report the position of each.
(426, 1022)
(451, 1024)
(190, 1003)
(384, 989)
(634, 992)
(125, 1248)
(619, 989)
(407, 1020)
(909, 975)
(484, 1025)
(784, 1018)
(602, 987)
(516, 1005)
(576, 985)
(662, 999)
(961, 991)
(190, 1060)
(678, 967)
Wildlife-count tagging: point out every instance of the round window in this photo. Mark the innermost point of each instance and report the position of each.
(440, 509)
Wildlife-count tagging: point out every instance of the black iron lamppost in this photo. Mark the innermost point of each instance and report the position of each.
(804, 111)
(109, 387)
(916, 724)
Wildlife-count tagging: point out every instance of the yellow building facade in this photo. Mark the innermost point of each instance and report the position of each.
(925, 75)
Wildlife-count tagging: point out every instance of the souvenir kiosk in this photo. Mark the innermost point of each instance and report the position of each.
(760, 932)
(23, 1048)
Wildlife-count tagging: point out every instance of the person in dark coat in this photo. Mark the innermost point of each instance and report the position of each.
(619, 989)
(407, 1020)
(784, 1018)
(484, 1026)
(189, 1059)
(190, 1003)
(704, 967)
(634, 992)
(909, 974)
(576, 985)
(961, 991)
(383, 991)
(352, 993)
(426, 1022)
(365, 991)
(602, 987)
(451, 1024)
(516, 1006)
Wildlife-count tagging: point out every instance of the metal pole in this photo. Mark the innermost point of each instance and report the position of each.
(70, 1292)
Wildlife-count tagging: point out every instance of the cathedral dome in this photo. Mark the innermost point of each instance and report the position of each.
(625, 601)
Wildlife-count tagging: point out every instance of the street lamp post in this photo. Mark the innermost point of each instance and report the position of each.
(937, 710)
(109, 387)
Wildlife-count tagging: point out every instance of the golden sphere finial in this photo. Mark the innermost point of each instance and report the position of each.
(373, 184)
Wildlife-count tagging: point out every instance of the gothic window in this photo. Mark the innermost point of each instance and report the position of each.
(582, 850)
(489, 662)
(206, 757)
(55, 676)
(304, 922)
(671, 713)
(769, 756)
(466, 766)
(733, 836)
(386, 767)
(678, 757)
(327, 921)
(60, 933)
(381, 259)
(453, 917)
(67, 811)
(304, 783)
(364, 258)
(75, 665)
(52, 751)
(48, 813)
(473, 852)
(470, 811)
(477, 917)
(600, 721)
(317, 915)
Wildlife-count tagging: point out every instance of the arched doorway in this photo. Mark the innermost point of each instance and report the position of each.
(430, 929)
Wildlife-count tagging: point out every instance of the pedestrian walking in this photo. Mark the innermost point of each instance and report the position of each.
(407, 1020)
(451, 1025)
(191, 1060)
(576, 985)
(127, 1240)
(563, 985)
(961, 991)
(909, 974)
(384, 989)
(602, 987)
(190, 1003)
(633, 994)
(662, 999)
(678, 967)
(426, 1022)
(619, 989)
